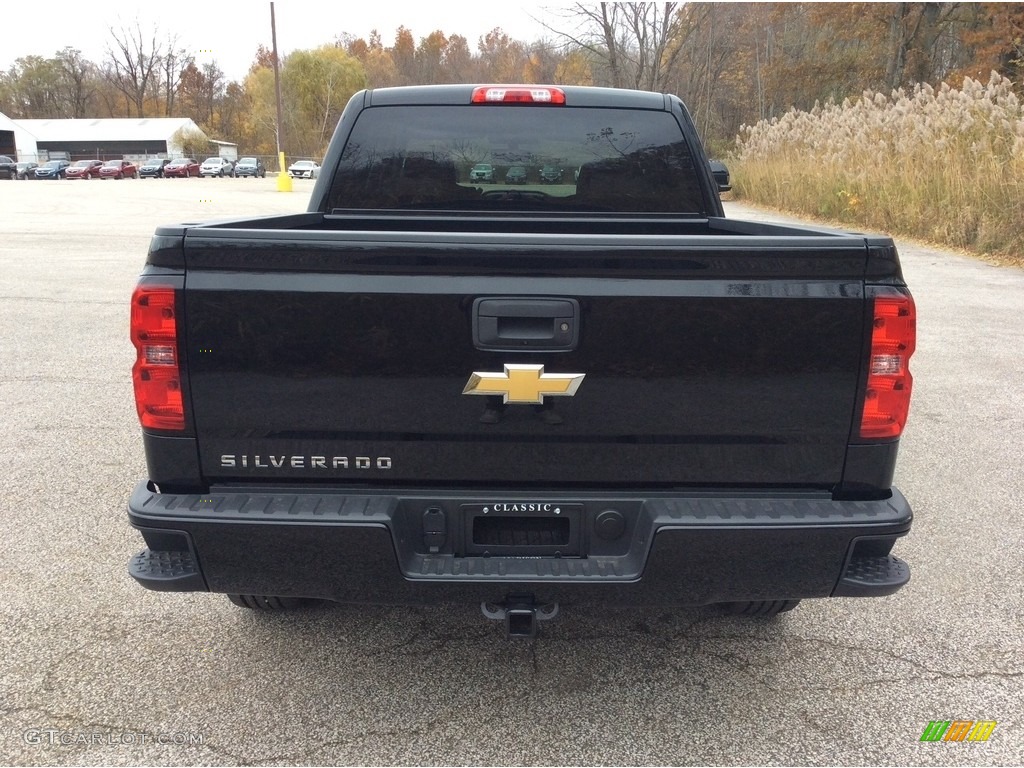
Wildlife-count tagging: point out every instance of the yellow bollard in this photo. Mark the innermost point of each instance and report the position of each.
(284, 181)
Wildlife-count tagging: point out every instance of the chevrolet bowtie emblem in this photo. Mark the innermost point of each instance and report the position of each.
(524, 384)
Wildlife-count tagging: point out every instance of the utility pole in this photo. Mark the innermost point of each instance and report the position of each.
(284, 182)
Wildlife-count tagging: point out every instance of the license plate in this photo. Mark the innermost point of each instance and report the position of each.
(524, 529)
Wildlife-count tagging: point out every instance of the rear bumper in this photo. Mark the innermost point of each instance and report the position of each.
(422, 547)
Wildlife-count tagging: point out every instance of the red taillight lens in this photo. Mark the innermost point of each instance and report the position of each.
(518, 94)
(893, 338)
(157, 378)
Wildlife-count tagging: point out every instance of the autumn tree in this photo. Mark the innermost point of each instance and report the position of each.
(429, 58)
(213, 91)
(264, 58)
(190, 92)
(377, 62)
(541, 65)
(704, 48)
(260, 121)
(574, 68)
(403, 54)
(502, 59)
(191, 143)
(993, 37)
(317, 84)
(639, 43)
(232, 110)
(32, 87)
(133, 64)
(457, 60)
(173, 65)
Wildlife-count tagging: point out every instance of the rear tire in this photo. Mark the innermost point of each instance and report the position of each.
(763, 608)
(271, 602)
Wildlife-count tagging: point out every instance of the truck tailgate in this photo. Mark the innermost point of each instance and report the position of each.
(346, 356)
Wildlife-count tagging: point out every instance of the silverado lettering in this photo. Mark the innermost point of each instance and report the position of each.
(747, 383)
(233, 461)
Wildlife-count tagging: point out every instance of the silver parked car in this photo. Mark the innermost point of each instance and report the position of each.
(217, 166)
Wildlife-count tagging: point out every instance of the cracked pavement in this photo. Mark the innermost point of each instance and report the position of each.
(112, 669)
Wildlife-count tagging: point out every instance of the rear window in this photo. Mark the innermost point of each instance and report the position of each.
(611, 160)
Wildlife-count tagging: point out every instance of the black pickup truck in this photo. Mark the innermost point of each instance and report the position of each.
(428, 388)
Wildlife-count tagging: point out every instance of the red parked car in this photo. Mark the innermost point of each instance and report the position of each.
(84, 169)
(183, 166)
(118, 169)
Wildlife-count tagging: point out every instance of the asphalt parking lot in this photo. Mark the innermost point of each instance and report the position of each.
(101, 672)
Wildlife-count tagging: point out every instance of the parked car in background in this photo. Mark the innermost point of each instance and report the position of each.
(721, 174)
(153, 168)
(27, 170)
(84, 169)
(53, 169)
(551, 174)
(119, 169)
(8, 167)
(304, 169)
(217, 166)
(250, 166)
(183, 166)
(482, 172)
(516, 175)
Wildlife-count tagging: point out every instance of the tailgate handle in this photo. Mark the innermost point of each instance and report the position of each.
(512, 323)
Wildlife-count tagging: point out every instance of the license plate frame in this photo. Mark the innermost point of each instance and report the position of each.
(523, 529)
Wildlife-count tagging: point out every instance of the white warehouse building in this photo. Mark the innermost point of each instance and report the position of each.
(101, 138)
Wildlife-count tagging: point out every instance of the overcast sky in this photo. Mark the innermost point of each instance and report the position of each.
(230, 30)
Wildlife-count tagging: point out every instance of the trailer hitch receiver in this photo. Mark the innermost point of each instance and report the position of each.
(521, 614)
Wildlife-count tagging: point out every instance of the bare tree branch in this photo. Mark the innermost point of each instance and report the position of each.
(134, 64)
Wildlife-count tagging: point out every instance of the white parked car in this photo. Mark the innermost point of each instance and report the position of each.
(303, 169)
(217, 166)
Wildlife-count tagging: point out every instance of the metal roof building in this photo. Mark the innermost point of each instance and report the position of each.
(103, 138)
(13, 137)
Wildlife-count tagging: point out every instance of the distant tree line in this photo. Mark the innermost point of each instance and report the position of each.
(732, 63)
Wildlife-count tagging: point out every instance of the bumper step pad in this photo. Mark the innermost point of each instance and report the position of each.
(167, 571)
(872, 577)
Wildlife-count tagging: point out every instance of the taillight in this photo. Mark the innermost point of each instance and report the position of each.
(893, 338)
(518, 94)
(156, 375)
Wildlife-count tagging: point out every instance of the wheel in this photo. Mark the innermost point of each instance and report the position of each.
(759, 607)
(270, 602)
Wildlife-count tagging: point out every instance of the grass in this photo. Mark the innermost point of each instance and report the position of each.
(941, 165)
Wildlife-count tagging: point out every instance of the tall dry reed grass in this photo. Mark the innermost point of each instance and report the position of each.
(941, 164)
